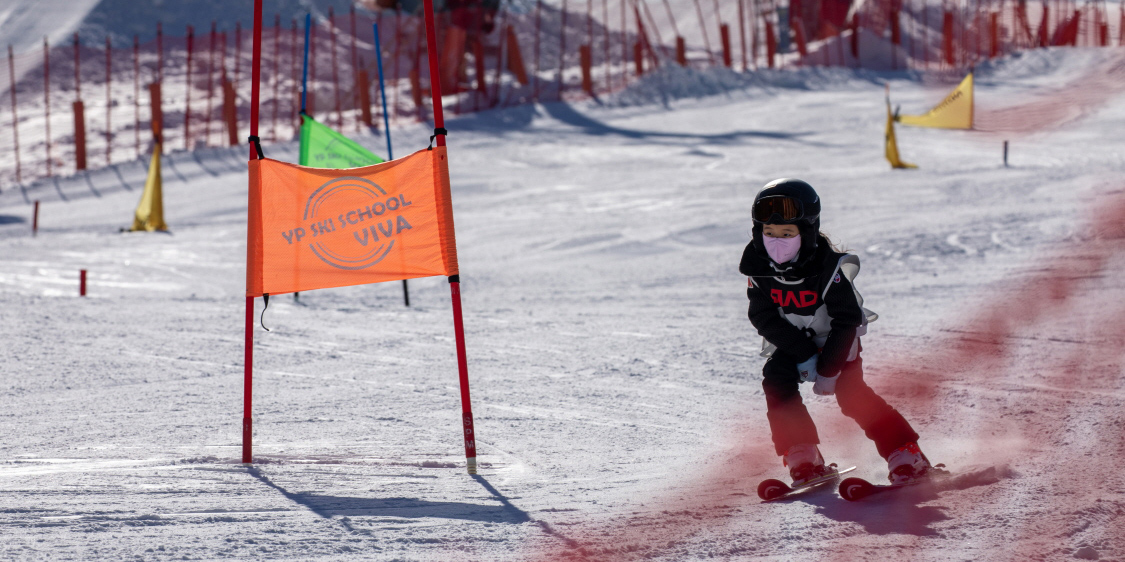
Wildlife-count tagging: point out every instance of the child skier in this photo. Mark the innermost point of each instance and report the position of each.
(803, 303)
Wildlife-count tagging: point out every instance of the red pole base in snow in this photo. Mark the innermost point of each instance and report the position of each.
(82, 282)
(35, 220)
(247, 437)
(248, 386)
(463, 372)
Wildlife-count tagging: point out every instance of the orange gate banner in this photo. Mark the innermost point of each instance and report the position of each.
(315, 228)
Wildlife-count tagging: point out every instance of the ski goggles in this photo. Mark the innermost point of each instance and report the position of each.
(778, 209)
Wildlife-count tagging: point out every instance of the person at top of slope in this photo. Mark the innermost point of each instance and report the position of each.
(803, 303)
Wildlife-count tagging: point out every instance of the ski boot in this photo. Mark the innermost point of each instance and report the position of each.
(907, 463)
(805, 464)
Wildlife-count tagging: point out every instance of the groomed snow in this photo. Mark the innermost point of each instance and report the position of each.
(615, 377)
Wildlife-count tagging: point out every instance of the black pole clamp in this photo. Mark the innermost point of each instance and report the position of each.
(257, 146)
(437, 131)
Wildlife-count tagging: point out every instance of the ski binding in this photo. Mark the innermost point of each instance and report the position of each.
(855, 489)
(774, 489)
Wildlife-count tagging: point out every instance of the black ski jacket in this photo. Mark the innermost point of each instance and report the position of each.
(807, 309)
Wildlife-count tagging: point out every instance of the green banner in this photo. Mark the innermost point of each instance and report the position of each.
(321, 147)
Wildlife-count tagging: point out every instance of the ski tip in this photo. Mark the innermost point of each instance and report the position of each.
(853, 489)
(772, 489)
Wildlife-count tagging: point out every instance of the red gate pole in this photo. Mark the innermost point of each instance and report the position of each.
(187, 100)
(248, 382)
(15, 118)
(81, 282)
(108, 105)
(47, 99)
(454, 280)
(35, 220)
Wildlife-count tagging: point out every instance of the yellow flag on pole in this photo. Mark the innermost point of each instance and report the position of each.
(150, 211)
(892, 144)
(954, 112)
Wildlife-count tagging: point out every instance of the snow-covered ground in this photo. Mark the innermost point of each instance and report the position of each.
(615, 378)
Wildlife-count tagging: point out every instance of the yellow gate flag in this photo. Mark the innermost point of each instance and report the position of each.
(954, 112)
(315, 228)
(150, 211)
(892, 144)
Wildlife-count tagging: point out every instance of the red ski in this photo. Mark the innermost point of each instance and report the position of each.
(855, 489)
(773, 489)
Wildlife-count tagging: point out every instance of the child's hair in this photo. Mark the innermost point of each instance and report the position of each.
(831, 244)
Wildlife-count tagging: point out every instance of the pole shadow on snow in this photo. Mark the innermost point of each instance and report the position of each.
(522, 515)
(407, 508)
(522, 117)
(90, 183)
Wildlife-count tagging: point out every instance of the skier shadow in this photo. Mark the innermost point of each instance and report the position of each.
(897, 512)
(344, 507)
(523, 116)
(900, 511)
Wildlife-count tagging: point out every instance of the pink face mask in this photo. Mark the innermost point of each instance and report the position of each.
(782, 250)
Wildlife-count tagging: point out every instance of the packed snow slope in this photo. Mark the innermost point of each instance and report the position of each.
(615, 377)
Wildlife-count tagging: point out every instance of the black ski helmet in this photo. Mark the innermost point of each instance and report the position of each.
(807, 218)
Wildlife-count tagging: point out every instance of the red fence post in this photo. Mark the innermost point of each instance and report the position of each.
(156, 113)
(364, 118)
(137, 94)
(294, 73)
(585, 62)
(771, 44)
(742, 33)
(237, 53)
(994, 35)
(335, 69)
(159, 52)
(948, 55)
(560, 82)
(728, 56)
(79, 113)
(47, 99)
(538, 29)
(276, 74)
(108, 104)
(187, 82)
(210, 86)
(395, 71)
(15, 116)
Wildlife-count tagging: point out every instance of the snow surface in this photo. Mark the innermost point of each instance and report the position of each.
(615, 377)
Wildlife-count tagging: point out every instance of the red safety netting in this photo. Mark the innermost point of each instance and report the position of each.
(563, 51)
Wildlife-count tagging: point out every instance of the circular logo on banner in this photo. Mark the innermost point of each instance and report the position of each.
(352, 222)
